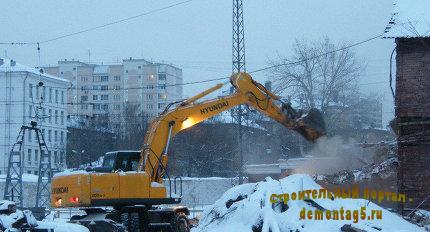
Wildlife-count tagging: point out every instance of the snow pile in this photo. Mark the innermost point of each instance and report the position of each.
(25, 177)
(248, 208)
(68, 172)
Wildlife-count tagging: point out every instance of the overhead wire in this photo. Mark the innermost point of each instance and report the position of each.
(253, 71)
(317, 56)
(99, 26)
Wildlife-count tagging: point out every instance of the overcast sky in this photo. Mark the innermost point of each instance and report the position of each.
(196, 36)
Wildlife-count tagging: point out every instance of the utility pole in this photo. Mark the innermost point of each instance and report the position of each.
(239, 66)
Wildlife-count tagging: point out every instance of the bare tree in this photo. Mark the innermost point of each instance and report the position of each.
(319, 77)
(133, 127)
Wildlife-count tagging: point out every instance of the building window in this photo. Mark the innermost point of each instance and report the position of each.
(49, 154)
(30, 90)
(116, 87)
(44, 93)
(150, 87)
(117, 107)
(56, 96)
(56, 116)
(151, 77)
(30, 111)
(62, 118)
(117, 97)
(49, 135)
(61, 157)
(104, 87)
(162, 87)
(29, 136)
(37, 92)
(160, 105)
(84, 98)
(96, 79)
(62, 136)
(84, 107)
(149, 107)
(105, 107)
(104, 97)
(139, 67)
(50, 116)
(55, 136)
(96, 107)
(84, 79)
(95, 87)
(161, 77)
(104, 78)
(50, 95)
(55, 157)
(162, 96)
(43, 114)
(36, 155)
(117, 78)
(149, 96)
(29, 156)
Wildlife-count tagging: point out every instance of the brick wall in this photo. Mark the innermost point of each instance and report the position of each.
(413, 120)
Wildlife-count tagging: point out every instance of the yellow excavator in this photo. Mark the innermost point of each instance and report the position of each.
(128, 191)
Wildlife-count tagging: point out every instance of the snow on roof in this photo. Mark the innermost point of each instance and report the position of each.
(101, 69)
(9, 65)
(410, 19)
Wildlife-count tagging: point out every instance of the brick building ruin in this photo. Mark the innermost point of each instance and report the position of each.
(410, 27)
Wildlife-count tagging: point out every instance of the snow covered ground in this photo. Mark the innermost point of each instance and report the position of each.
(248, 208)
(12, 219)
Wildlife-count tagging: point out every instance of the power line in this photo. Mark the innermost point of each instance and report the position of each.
(98, 27)
(18, 43)
(142, 87)
(254, 71)
(317, 56)
(116, 22)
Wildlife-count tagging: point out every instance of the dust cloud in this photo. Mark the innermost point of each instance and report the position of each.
(331, 155)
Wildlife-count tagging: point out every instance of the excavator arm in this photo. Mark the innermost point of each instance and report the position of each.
(190, 112)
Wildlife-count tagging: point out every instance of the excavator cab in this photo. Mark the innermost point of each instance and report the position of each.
(119, 161)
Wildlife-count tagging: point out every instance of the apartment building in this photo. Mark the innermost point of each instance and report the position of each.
(28, 95)
(106, 90)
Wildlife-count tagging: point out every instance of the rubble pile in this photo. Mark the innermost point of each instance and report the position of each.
(384, 170)
(249, 208)
(421, 218)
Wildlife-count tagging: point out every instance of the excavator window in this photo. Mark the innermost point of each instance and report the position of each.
(109, 162)
(119, 161)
